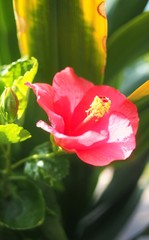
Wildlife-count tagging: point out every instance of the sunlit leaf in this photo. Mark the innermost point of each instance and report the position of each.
(70, 28)
(140, 92)
(21, 205)
(9, 50)
(15, 75)
(94, 14)
(12, 133)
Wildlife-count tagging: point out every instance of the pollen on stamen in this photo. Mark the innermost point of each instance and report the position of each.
(98, 107)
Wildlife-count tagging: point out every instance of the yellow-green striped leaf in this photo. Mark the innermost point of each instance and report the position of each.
(63, 33)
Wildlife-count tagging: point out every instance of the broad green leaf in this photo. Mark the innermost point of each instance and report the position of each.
(79, 185)
(114, 219)
(143, 132)
(15, 75)
(53, 225)
(140, 92)
(139, 221)
(9, 50)
(134, 75)
(21, 205)
(126, 45)
(54, 230)
(119, 12)
(74, 34)
(12, 133)
(94, 14)
(51, 169)
(115, 206)
(6, 234)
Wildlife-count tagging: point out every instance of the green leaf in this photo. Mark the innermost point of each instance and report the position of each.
(12, 133)
(15, 75)
(134, 75)
(21, 205)
(143, 132)
(53, 225)
(9, 50)
(59, 43)
(120, 12)
(140, 92)
(126, 45)
(77, 197)
(52, 169)
(6, 234)
(116, 203)
(114, 219)
(54, 230)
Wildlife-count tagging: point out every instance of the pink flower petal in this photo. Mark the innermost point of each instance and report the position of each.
(130, 110)
(69, 143)
(44, 94)
(119, 103)
(119, 128)
(98, 140)
(119, 146)
(107, 153)
(68, 92)
(109, 92)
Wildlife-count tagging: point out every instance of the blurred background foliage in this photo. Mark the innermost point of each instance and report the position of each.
(93, 203)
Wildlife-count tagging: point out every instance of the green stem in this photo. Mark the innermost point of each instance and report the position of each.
(7, 170)
(5, 151)
(8, 162)
(36, 157)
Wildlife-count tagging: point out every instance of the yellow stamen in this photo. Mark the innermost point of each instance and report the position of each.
(98, 108)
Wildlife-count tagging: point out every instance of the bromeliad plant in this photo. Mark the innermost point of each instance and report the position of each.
(93, 118)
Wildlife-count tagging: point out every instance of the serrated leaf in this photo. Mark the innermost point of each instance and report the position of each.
(15, 75)
(52, 169)
(12, 133)
(22, 207)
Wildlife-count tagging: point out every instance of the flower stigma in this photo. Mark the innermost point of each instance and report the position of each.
(98, 108)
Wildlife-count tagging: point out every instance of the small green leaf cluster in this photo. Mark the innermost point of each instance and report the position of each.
(13, 100)
(24, 202)
(22, 205)
(48, 167)
(21, 201)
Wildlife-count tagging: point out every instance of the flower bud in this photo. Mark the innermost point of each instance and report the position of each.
(9, 105)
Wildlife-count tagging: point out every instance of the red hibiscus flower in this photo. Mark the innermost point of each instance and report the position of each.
(98, 123)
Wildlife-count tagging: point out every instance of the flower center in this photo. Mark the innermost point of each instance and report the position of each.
(98, 108)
